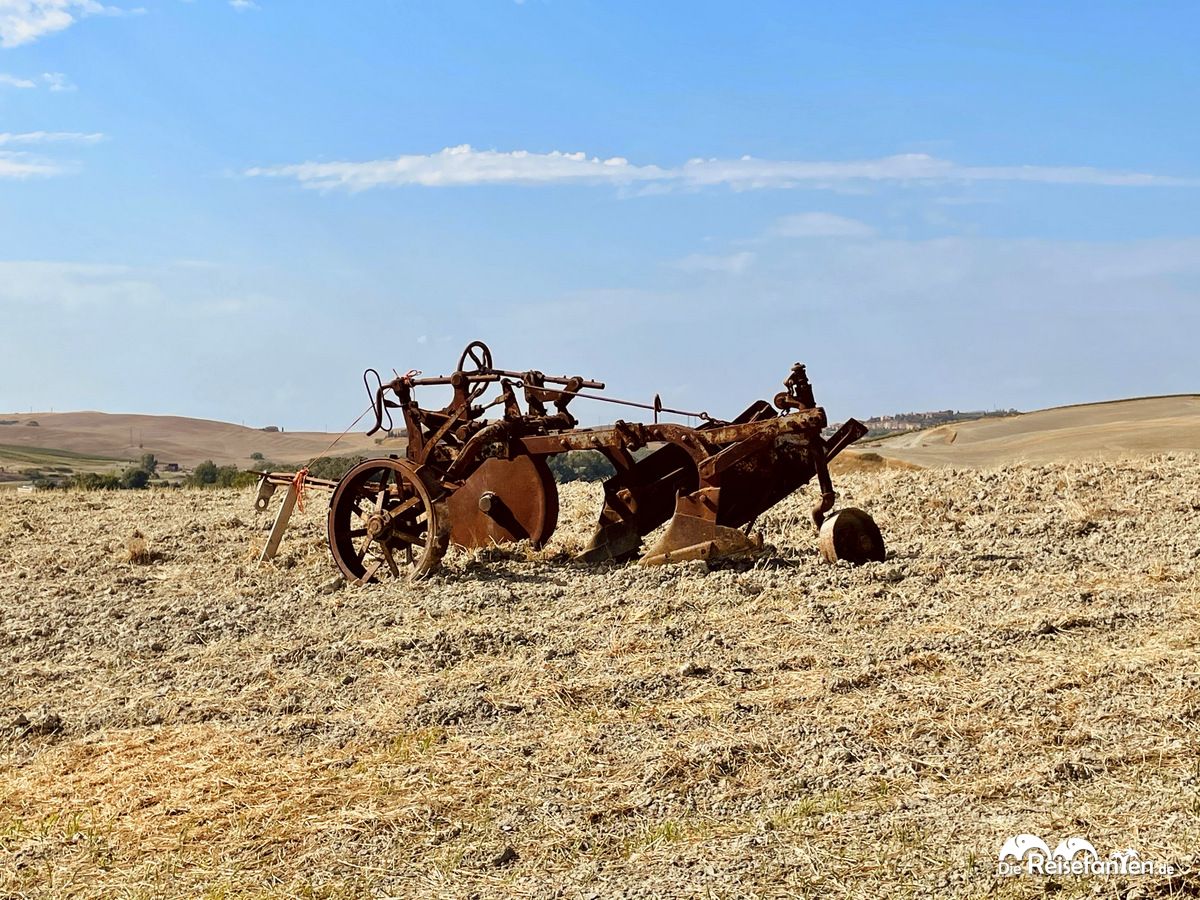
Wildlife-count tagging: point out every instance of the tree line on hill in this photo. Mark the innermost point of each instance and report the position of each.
(134, 477)
(575, 465)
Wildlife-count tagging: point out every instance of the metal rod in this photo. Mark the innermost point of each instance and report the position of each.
(666, 409)
(494, 375)
(552, 379)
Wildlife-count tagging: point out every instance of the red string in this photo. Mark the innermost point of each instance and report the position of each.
(298, 487)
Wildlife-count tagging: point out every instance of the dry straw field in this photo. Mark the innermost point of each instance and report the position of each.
(176, 721)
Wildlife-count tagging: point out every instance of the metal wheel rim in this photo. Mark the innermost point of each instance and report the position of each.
(383, 523)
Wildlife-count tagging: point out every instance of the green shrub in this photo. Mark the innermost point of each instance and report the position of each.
(205, 473)
(93, 481)
(581, 465)
(209, 474)
(332, 468)
(134, 479)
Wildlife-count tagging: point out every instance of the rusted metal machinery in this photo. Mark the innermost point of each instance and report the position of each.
(476, 482)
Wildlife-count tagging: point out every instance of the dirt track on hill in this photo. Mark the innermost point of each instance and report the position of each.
(1024, 662)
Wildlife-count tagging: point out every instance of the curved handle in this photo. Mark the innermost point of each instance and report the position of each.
(377, 399)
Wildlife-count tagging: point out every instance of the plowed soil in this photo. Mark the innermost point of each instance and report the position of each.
(176, 720)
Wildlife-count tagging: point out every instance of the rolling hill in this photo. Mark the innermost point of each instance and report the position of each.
(95, 441)
(100, 439)
(1110, 430)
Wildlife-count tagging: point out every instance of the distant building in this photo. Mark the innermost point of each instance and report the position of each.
(171, 467)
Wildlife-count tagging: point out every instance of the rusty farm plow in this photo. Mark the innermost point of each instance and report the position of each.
(475, 482)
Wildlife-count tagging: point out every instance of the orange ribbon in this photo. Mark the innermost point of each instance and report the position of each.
(298, 487)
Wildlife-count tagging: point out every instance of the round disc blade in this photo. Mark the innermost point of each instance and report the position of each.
(522, 501)
(852, 535)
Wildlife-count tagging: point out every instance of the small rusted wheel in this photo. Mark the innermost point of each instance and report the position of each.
(384, 522)
(851, 535)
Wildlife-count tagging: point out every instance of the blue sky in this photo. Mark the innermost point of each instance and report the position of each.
(228, 210)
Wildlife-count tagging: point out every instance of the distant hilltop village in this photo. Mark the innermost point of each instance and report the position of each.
(880, 426)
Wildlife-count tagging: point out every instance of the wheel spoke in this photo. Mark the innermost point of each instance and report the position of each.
(408, 537)
(371, 570)
(391, 560)
(361, 554)
(405, 506)
(379, 500)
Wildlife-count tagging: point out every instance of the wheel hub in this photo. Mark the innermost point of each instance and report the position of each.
(378, 524)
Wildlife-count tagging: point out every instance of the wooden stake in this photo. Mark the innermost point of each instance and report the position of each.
(280, 526)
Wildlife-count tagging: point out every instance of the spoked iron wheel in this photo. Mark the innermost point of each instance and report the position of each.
(384, 523)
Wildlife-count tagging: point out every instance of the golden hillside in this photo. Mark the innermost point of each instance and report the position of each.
(1112, 430)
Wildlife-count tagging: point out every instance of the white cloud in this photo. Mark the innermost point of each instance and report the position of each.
(14, 81)
(464, 165)
(243, 5)
(749, 173)
(113, 287)
(49, 137)
(731, 264)
(74, 285)
(21, 164)
(57, 81)
(820, 224)
(54, 81)
(24, 21)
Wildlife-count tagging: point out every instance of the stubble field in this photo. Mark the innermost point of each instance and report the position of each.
(187, 723)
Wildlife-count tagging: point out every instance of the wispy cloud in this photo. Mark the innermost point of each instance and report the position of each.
(820, 224)
(243, 5)
(54, 81)
(22, 164)
(464, 165)
(49, 137)
(730, 264)
(74, 285)
(113, 287)
(24, 21)
(57, 81)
